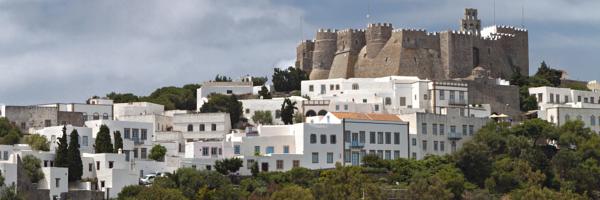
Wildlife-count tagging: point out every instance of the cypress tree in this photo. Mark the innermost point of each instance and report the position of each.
(103, 143)
(61, 160)
(74, 157)
(118, 141)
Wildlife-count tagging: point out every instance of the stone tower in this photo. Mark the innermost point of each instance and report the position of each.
(377, 36)
(304, 55)
(325, 48)
(470, 23)
(349, 44)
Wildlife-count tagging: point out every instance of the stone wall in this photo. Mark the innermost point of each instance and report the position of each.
(83, 195)
(25, 117)
(72, 118)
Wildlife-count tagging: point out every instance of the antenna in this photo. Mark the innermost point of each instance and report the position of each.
(301, 28)
(494, 12)
(523, 15)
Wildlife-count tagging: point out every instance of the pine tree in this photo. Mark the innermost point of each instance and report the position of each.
(74, 158)
(118, 141)
(103, 143)
(61, 159)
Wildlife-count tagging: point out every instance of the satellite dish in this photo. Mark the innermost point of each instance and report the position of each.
(594, 86)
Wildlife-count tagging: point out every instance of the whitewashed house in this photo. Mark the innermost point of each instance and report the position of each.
(559, 105)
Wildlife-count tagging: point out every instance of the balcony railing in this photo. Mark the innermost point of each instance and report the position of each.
(356, 144)
(462, 102)
(454, 136)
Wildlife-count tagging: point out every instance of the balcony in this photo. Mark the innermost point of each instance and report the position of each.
(454, 136)
(355, 144)
(457, 102)
(137, 141)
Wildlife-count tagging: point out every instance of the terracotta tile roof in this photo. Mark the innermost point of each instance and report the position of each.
(366, 116)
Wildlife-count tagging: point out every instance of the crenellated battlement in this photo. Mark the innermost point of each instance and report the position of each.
(326, 30)
(349, 30)
(372, 25)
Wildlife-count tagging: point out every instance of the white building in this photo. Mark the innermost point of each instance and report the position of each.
(436, 134)
(392, 94)
(111, 170)
(52, 134)
(56, 179)
(559, 105)
(137, 136)
(208, 88)
(137, 109)
(93, 109)
(200, 126)
(272, 105)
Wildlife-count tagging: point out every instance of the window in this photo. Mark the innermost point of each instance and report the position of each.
(105, 116)
(355, 86)
(144, 134)
(442, 95)
(57, 182)
(277, 114)
(97, 165)
(135, 153)
(567, 117)
(372, 137)
(332, 139)
(566, 99)
(295, 163)
(229, 91)
(47, 123)
(379, 137)
(464, 130)
(435, 145)
(143, 153)
(270, 150)
(236, 149)
(247, 111)
(388, 155)
(380, 154)
(204, 151)
(396, 138)
(414, 141)
(84, 141)
(23, 125)
(323, 139)
(337, 87)
(461, 95)
(347, 136)
(45, 163)
(101, 183)
(442, 144)
(396, 154)
(85, 117)
(442, 129)
(329, 157)
(331, 87)
(315, 157)
(90, 166)
(345, 106)
(337, 107)
(434, 129)
(127, 133)
(424, 128)
(135, 133)
(362, 137)
(311, 88)
(256, 149)
(388, 101)
(402, 101)
(279, 164)
(578, 98)
(96, 116)
(190, 128)
(376, 107)
(213, 127)
(471, 129)
(286, 149)
(414, 155)
(551, 98)
(323, 89)
(424, 145)
(452, 95)
(453, 129)
(364, 100)
(111, 164)
(593, 120)
(388, 138)
(313, 138)
(249, 162)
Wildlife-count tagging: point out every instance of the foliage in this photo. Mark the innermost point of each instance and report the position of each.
(222, 78)
(189, 181)
(298, 117)
(123, 97)
(346, 183)
(103, 143)
(182, 98)
(536, 192)
(287, 111)
(287, 80)
(258, 81)
(372, 160)
(33, 168)
(158, 153)
(545, 76)
(118, 141)
(262, 117)
(224, 103)
(9, 133)
(292, 192)
(61, 159)
(37, 142)
(228, 165)
(153, 192)
(75, 165)
(430, 188)
(254, 169)
(264, 92)
(9, 193)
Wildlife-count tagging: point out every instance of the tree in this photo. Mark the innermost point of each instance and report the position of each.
(292, 192)
(130, 192)
(103, 142)
(258, 81)
(298, 118)
(552, 75)
(37, 142)
(190, 180)
(33, 168)
(264, 92)
(254, 169)
(262, 117)
(228, 165)
(287, 111)
(158, 153)
(158, 193)
(9, 193)
(118, 141)
(224, 103)
(123, 97)
(288, 79)
(346, 183)
(222, 78)
(61, 159)
(431, 188)
(372, 160)
(74, 157)
(475, 162)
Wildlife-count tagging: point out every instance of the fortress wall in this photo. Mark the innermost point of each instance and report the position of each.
(304, 53)
(349, 44)
(420, 54)
(460, 50)
(377, 35)
(325, 48)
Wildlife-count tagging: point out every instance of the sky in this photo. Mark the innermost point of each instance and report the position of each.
(67, 51)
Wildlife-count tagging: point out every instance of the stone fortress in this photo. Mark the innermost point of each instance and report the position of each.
(381, 50)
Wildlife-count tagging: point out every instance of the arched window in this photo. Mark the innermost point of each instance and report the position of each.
(388, 101)
(190, 128)
(593, 120)
(355, 86)
(105, 116)
(311, 113)
(96, 116)
(567, 117)
(85, 117)
(322, 112)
